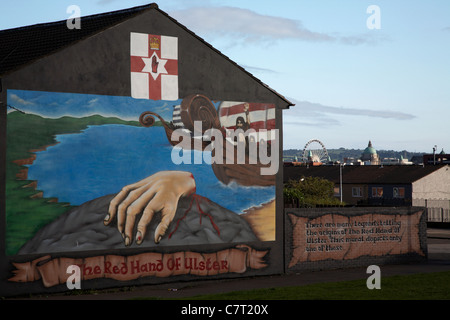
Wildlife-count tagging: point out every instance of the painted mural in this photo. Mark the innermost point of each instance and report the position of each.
(351, 236)
(92, 172)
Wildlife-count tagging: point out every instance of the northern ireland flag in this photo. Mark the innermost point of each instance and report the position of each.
(154, 66)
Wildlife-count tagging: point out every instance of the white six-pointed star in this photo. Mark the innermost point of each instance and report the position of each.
(161, 63)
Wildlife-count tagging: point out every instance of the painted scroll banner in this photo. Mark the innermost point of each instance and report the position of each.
(150, 264)
(340, 237)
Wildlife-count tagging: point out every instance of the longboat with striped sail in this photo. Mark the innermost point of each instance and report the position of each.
(230, 116)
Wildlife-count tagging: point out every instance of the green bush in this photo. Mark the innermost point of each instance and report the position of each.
(310, 192)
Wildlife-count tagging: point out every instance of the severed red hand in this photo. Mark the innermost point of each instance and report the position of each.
(159, 192)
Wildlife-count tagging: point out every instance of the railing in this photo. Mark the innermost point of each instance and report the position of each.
(385, 202)
(295, 203)
(438, 209)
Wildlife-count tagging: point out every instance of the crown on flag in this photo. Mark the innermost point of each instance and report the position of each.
(154, 43)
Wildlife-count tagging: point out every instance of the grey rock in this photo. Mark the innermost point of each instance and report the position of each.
(82, 228)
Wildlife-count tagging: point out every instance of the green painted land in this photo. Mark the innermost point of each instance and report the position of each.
(26, 210)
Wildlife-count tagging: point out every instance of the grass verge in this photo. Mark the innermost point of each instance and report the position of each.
(424, 286)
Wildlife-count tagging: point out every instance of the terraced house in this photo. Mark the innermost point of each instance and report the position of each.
(390, 185)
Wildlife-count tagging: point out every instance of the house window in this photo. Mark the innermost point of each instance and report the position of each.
(399, 192)
(377, 192)
(337, 191)
(356, 192)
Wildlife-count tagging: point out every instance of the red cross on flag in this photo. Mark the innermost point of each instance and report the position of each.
(260, 116)
(257, 116)
(154, 66)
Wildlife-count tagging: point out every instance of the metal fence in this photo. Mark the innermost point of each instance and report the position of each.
(438, 209)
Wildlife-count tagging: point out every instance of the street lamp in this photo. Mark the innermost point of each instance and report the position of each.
(434, 154)
(340, 179)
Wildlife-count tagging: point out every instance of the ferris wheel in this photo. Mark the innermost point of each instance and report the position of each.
(314, 151)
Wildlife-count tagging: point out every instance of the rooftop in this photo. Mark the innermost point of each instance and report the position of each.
(362, 174)
(24, 45)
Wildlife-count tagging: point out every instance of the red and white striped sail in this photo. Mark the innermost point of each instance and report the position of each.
(261, 117)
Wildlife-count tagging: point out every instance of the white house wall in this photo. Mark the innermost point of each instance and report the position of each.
(433, 186)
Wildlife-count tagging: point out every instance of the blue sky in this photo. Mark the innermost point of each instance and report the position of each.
(57, 104)
(351, 84)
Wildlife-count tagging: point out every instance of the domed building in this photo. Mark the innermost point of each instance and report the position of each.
(370, 156)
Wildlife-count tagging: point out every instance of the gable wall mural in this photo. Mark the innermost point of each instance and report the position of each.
(139, 187)
(66, 150)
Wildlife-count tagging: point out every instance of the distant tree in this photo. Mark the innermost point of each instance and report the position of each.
(310, 192)
(341, 153)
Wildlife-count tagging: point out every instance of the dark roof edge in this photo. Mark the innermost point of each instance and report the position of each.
(139, 10)
(436, 168)
(289, 103)
(427, 170)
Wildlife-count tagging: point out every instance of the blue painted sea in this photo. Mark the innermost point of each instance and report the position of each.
(102, 159)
